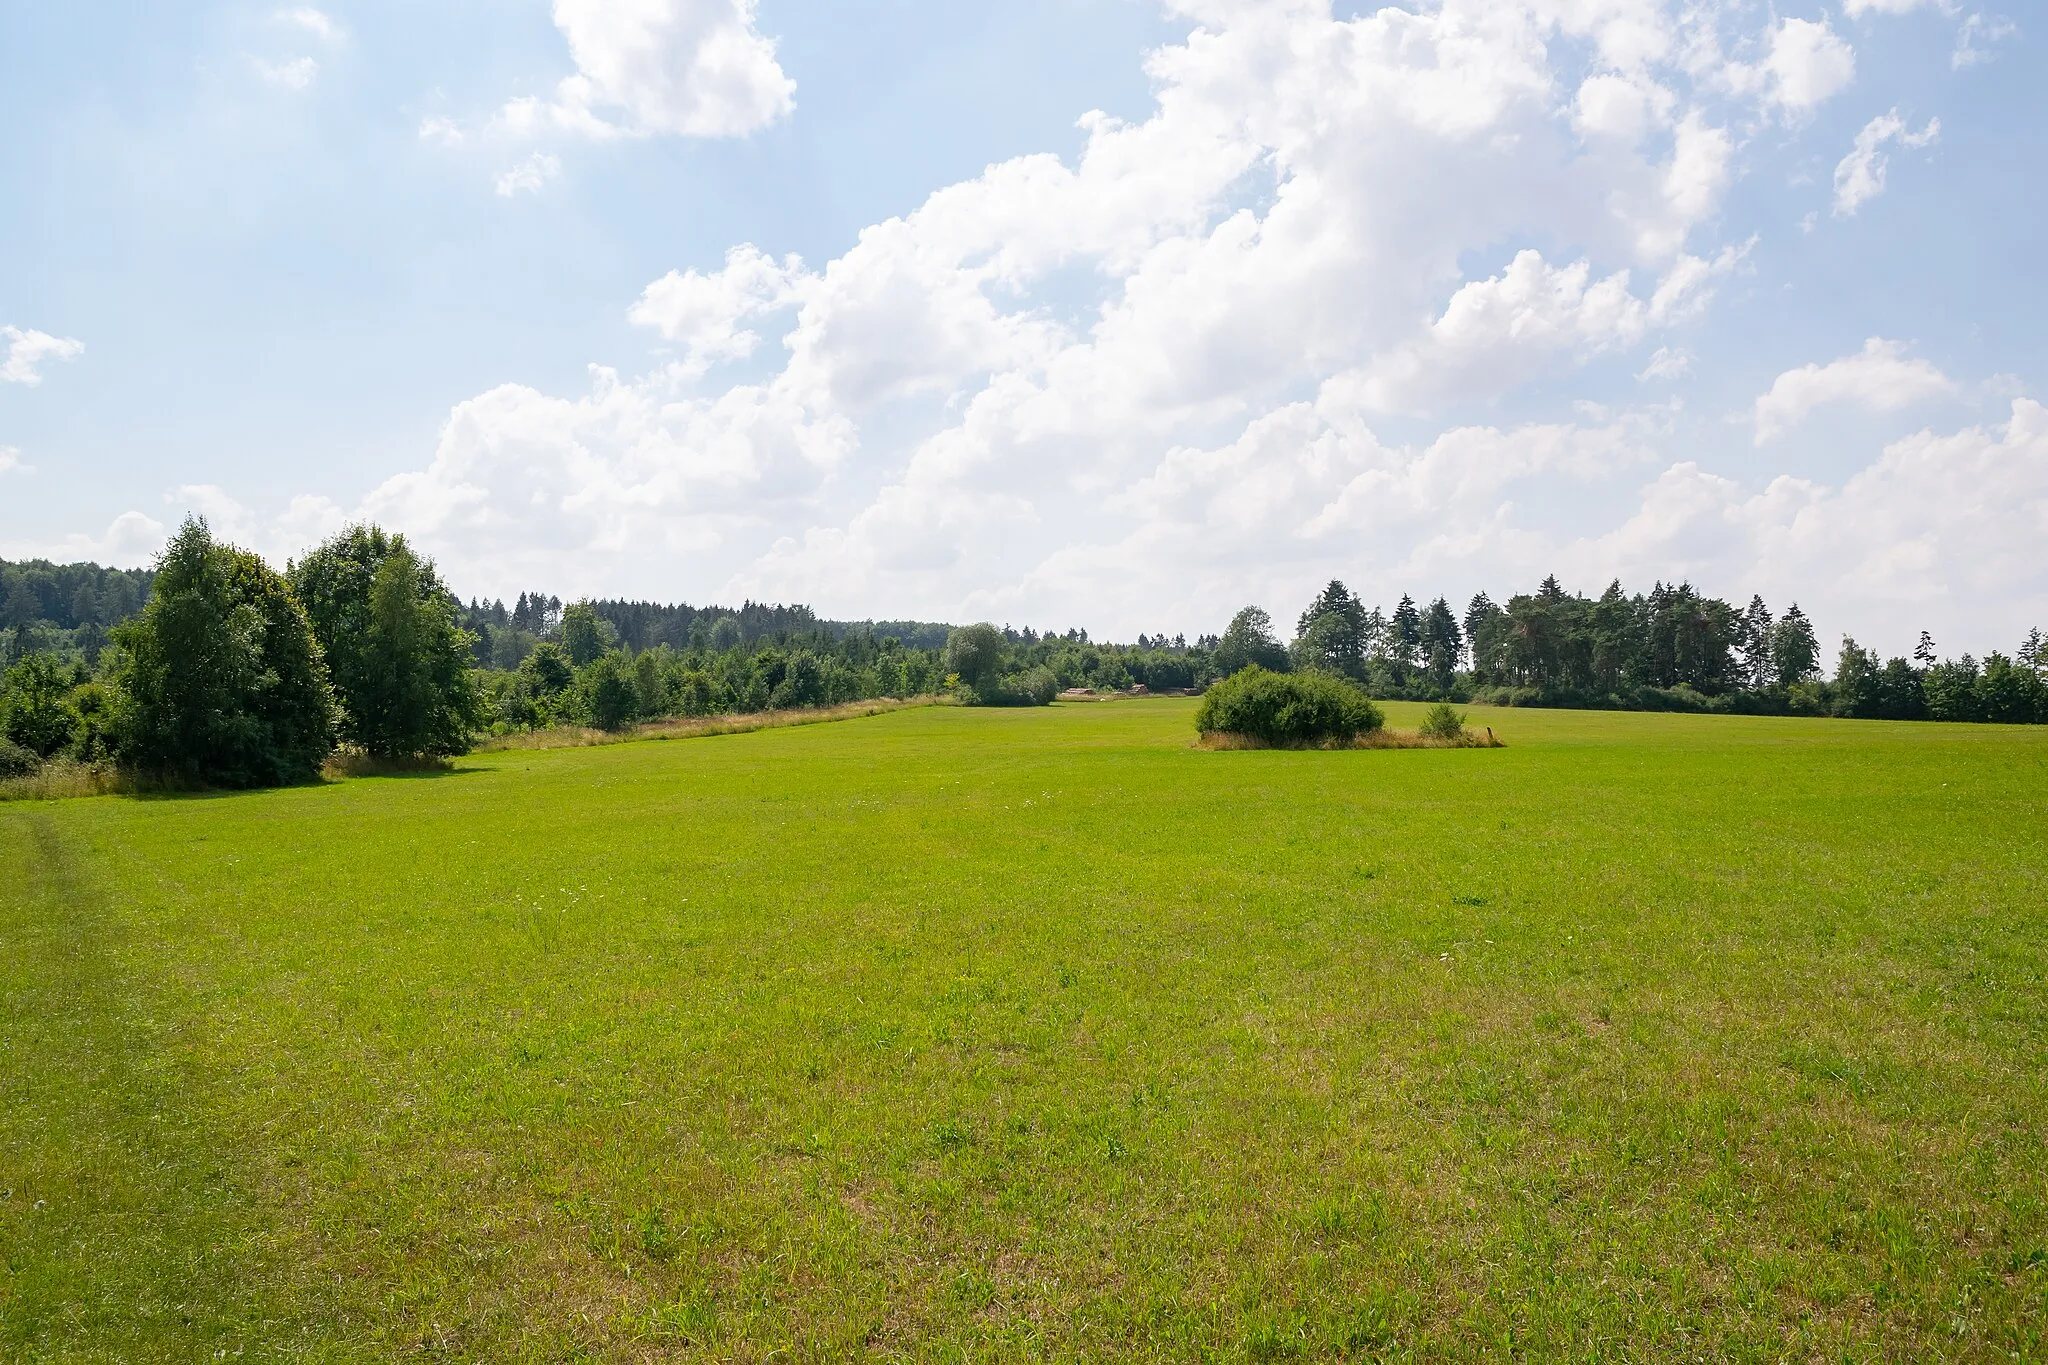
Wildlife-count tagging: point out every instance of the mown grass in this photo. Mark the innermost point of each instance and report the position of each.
(960, 1033)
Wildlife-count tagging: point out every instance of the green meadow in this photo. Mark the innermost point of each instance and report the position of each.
(963, 1034)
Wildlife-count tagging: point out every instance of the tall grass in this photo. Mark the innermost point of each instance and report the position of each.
(692, 727)
(62, 778)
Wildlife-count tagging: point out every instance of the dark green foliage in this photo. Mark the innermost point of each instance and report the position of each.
(1442, 643)
(606, 692)
(1795, 652)
(974, 653)
(225, 683)
(1249, 640)
(1331, 634)
(1032, 687)
(582, 633)
(547, 669)
(387, 627)
(1287, 708)
(1441, 721)
(69, 596)
(17, 761)
(38, 714)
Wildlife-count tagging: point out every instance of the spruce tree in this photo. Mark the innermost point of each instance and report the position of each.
(1795, 649)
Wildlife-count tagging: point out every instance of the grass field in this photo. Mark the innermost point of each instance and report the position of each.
(962, 1034)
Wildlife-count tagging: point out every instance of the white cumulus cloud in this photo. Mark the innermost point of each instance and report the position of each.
(1861, 175)
(692, 68)
(1124, 387)
(27, 349)
(1808, 63)
(1879, 377)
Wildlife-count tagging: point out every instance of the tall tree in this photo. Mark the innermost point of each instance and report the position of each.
(225, 683)
(1405, 628)
(1795, 650)
(1923, 653)
(1249, 640)
(1442, 643)
(582, 633)
(1753, 645)
(1331, 632)
(387, 626)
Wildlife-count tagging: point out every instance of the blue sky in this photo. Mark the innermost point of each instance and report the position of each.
(1112, 313)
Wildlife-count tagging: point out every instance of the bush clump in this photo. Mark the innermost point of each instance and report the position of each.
(1287, 709)
(17, 760)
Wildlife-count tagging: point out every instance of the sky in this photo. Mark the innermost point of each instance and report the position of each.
(1103, 313)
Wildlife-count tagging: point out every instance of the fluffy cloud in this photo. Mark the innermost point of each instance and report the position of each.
(11, 463)
(704, 312)
(27, 349)
(1808, 63)
(1125, 387)
(694, 68)
(131, 539)
(1940, 530)
(1878, 377)
(1860, 176)
(1499, 333)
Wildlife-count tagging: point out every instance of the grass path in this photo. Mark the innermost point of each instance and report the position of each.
(1020, 1035)
(125, 1234)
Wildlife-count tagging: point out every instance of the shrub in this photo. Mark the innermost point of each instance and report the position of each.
(1441, 722)
(1287, 708)
(16, 761)
(39, 714)
(1036, 687)
(605, 692)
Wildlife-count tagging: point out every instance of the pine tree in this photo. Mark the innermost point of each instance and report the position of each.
(1753, 642)
(1795, 650)
(1331, 632)
(1406, 630)
(1923, 653)
(1443, 644)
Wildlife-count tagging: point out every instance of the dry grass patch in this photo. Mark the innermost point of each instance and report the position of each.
(1372, 739)
(583, 736)
(61, 778)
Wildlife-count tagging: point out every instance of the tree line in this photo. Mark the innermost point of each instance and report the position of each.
(1672, 648)
(226, 672)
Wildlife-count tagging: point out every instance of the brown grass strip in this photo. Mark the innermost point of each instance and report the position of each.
(695, 727)
(1223, 740)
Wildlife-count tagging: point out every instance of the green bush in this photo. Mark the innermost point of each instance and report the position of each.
(16, 761)
(1287, 708)
(1034, 688)
(1442, 722)
(38, 713)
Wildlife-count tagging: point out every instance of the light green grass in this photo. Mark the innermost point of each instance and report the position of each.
(971, 1034)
